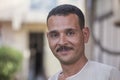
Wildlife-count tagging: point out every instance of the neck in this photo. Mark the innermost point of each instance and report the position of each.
(69, 70)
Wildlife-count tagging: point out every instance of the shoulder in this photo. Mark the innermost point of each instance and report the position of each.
(100, 65)
(55, 76)
(111, 72)
(114, 74)
(100, 68)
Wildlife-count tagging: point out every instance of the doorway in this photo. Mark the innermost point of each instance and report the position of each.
(36, 69)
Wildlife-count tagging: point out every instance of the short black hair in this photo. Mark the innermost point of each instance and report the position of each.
(67, 9)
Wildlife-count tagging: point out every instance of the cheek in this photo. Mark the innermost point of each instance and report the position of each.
(52, 43)
(77, 41)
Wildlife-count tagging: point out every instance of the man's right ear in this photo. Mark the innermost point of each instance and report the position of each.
(86, 34)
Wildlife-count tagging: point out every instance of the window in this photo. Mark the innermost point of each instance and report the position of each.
(42, 5)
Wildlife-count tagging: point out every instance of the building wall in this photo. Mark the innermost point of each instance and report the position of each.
(20, 39)
(105, 34)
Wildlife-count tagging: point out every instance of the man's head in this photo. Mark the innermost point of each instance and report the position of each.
(67, 34)
(66, 10)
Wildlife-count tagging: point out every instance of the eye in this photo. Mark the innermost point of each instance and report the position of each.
(70, 33)
(53, 35)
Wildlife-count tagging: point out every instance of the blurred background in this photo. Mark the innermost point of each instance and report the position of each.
(23, 27)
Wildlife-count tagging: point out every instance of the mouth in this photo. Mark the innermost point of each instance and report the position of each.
(64, 49)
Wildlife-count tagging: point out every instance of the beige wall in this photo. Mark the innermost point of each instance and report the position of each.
(107, 33)
(20, 40)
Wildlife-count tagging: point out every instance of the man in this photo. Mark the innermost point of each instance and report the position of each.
(67, 36)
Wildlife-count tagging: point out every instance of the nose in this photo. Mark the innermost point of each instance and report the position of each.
(62, 40)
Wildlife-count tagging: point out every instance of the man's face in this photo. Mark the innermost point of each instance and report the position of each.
(66, 39)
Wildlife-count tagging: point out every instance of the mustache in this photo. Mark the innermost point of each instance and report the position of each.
(64, 48)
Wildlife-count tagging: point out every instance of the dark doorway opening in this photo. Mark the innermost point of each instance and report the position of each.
(36, 69)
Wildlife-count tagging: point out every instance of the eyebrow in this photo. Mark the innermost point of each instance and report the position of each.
(70, 29)
(53, 31)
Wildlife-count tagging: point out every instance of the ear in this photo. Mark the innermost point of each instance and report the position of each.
(86, 34)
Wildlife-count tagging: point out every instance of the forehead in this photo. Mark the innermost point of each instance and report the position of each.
(61, 22)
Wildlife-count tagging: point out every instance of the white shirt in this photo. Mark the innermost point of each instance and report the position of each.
(93, 71)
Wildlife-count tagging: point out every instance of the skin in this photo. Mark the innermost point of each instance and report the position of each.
(65, 31)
